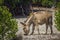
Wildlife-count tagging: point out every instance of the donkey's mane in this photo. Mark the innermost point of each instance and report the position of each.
(28, 19)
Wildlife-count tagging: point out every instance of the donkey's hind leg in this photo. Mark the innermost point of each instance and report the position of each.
(51, 28)
(50, 24)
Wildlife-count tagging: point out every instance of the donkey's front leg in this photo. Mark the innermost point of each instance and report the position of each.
(46, 28)
(38, 28)
(33, 28)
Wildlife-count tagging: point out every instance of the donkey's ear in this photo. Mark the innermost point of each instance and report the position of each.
(23, 23)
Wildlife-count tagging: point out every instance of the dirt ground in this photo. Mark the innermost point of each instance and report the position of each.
(35, 36)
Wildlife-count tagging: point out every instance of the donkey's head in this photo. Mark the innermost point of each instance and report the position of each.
(25, 27)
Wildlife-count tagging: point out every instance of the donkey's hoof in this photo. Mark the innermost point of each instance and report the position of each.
(25, 34)
(38, 33)
(31, 34)
(45, 33)
(51, 33)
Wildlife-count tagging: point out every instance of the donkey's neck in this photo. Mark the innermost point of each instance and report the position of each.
(29, 19)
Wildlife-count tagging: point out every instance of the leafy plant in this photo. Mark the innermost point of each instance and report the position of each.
(8, 26)
(57, 16)
(47, 2)
(1, 2)
(58, 4)
(57, 19)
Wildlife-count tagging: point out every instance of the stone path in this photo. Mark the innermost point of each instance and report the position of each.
(41, 37)
(55, 36)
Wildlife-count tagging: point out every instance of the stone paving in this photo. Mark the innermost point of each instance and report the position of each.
(35, 36)
(55, 36)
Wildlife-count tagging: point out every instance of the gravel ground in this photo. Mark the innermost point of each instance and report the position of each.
(35, 36)
(41, 27)
(55, 36)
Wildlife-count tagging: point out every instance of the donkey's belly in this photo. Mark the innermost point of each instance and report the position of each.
(41, 22)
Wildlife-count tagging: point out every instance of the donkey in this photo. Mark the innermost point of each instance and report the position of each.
(38, 18)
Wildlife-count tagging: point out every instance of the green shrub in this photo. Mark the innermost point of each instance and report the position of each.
(47, 3)
(58, 5)
(57, 16)
(57, 19)
(8, 26)
(1, 2)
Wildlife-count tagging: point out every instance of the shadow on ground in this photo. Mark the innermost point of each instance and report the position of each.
(39, 37)
(18, 38)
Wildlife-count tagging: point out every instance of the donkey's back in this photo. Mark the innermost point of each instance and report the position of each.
(41, 17)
